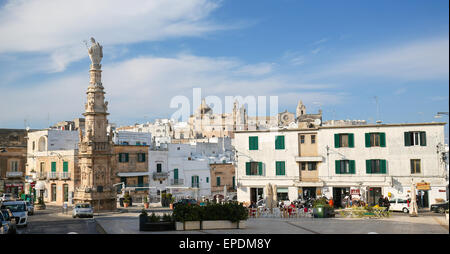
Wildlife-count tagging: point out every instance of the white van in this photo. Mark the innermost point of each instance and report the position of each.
(399, 204)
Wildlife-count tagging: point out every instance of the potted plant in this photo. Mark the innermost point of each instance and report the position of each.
(126, 200)
(146, 203)
(321, 208)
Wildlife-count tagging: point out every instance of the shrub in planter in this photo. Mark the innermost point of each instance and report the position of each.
(126, 199)
(146, 204)
(230, 211)
(322, 209)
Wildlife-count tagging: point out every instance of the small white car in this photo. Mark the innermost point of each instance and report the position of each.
(83, 210)
(19, 211)
(6, 197)
(399, 204)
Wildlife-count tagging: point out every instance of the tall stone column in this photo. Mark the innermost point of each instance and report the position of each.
(96, 147)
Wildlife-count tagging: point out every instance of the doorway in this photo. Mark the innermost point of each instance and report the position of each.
(422, 199)
(256, 194)
(339, 194)
(309, 192)
(373, 195)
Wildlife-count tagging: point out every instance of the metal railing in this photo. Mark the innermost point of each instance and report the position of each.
(176, 181)
(14, 174)
(52, 175)
(41, 175)
(65, 175)
(160, 175)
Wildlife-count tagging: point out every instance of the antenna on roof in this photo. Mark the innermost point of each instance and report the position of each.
(378, 110)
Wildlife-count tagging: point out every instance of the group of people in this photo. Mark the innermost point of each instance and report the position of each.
(384, 202)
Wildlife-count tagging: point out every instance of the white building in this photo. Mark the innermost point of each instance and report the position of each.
(176, 171)
(364, 160)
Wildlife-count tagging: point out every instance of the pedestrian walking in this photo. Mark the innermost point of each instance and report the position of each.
(381, 201)
(387, 203)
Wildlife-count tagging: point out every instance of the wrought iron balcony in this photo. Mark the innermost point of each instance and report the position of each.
(14, 174)
(52, 175)
(65, 175)
(160, 175)
(176, 181)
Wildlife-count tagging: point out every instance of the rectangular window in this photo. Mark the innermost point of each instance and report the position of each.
(415, 138)
(53, 166)
(158, 167)
(302, 139)
(42, 167)
(415, 166)
(65, 166)
(312, 166)
(313, 139)
(138, 143)
(195, 182)
(66, 192)
(14, 166)
(303, 165)
(141, 157)
(253, 168)
(280, 168)
(279, 142)
(53, 192)
(253, 143)
(218, 181)
(344, 140)
(175, 173)
(140, 181)
(376, 166)
(345, 167)
(123, 157)
(375, 139)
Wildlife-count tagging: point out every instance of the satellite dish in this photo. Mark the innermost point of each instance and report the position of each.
(317, 122)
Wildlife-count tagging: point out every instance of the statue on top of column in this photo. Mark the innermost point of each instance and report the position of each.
(95, 53)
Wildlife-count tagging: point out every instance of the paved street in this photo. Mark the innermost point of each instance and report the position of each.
(50, 221)
(397, 224)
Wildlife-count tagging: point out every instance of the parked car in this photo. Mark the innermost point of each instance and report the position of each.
(30, 208)
(8, 218)
(185, 201)
(399, 204)
(19, 211)
(83, 210)
(439, 208)
(7, 197)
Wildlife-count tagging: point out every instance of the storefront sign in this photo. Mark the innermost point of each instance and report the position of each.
(354, 192)
(423, 186)
(442, 190)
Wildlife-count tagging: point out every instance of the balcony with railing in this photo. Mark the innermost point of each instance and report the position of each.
(14, 174)
(176, 181)
(41, 175)
(65, 175)
(160, 175)
(52, 175)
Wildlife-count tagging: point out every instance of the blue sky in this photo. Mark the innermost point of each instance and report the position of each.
(333, 55)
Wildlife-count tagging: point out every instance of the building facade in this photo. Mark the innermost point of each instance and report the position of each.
(361, 161)
(13, 151)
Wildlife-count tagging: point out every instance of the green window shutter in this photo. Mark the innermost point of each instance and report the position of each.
(65, 166)
(126, 157)
(283, 169)
(260, 168)
(423, 138)
(383, 139)
(234, 182)
(352, 166)
(280, 168)
(175, 173)
(248, 168)
(279, 142)
(252, 143)
(53, 166)
(369, 166)
(351, 140)
(143, 157)
(336, 140)
(407, 139)
(192, 181)
(367, 139)
(207, 179)
(338, 166)
(218, 181)
(383, 166)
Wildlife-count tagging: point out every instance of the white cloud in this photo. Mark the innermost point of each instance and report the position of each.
(59, 27)
(422, 60)
(145, 85)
